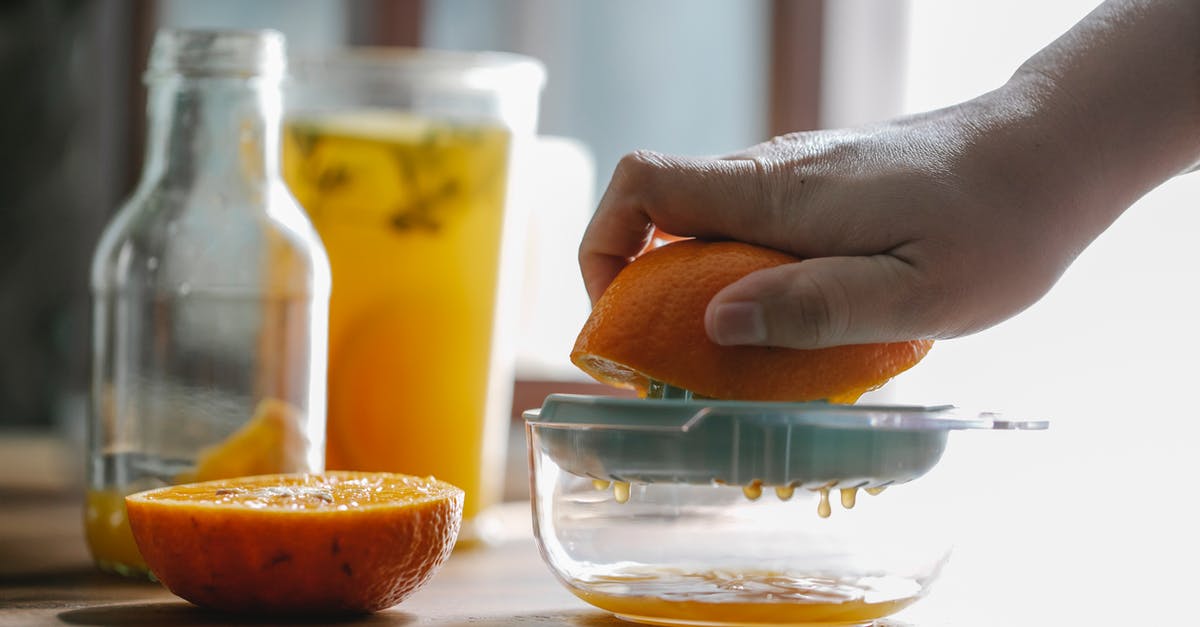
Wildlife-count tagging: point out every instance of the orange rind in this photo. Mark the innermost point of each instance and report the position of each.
(648, 326)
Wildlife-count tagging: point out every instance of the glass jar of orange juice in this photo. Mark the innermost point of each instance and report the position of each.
(211, 293)
(404, 160)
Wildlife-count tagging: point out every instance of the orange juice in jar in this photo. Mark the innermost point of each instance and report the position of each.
(404, 160)
(411, 213)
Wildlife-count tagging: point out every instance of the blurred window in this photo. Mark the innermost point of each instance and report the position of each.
(680, 76)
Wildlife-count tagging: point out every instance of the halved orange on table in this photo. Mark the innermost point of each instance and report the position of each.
(649, 325)
(332, 543)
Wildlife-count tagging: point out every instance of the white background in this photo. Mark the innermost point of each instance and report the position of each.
(1098, 524)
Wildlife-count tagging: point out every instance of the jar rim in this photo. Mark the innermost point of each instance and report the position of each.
(430, 67)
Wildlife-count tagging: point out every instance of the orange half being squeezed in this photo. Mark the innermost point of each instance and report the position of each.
(649, 326)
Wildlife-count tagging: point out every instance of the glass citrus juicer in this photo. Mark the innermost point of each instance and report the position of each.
(678, 510)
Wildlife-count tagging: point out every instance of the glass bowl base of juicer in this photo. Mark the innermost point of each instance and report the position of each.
(685, 511)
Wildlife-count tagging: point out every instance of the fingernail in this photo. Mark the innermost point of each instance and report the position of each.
(738, 323)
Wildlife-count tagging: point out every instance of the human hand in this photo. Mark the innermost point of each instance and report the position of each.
(933, 226)
(913, 229)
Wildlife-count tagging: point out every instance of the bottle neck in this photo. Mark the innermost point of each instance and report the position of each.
(212, 132)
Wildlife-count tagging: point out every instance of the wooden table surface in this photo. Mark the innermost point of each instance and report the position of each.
(47, 578)
(1073, 567)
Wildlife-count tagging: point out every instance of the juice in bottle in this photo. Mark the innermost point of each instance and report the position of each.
(411, 212)
(106, 528)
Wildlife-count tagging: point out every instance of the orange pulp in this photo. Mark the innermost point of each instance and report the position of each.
(298, 544)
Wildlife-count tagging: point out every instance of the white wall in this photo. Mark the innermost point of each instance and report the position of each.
(681, 76)
(1098, 527)
(864, 58)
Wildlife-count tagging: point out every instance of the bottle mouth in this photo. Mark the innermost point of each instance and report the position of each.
(217, 54)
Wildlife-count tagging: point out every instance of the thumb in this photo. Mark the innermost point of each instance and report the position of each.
(826, 301)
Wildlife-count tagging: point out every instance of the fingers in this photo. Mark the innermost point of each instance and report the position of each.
(689, 197)
(819, 302)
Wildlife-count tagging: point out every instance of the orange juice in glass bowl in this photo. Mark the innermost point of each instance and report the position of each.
(404, 161)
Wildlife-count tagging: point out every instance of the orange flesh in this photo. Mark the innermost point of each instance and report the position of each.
(330, 543)
(302, 492)
(411, 213)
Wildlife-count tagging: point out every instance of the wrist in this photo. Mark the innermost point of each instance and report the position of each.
(1125, 83)
(1072, 156)
(1033, 151)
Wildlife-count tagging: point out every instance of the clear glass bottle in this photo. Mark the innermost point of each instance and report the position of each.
(211, 293)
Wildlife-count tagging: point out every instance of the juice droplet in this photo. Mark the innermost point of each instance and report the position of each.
(823, 509)
(620, 491)
(784, 492)
(753, 490)
(600, 484)
(876, 491)
(849, 497)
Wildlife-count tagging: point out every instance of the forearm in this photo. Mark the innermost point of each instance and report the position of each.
(1124, 84)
